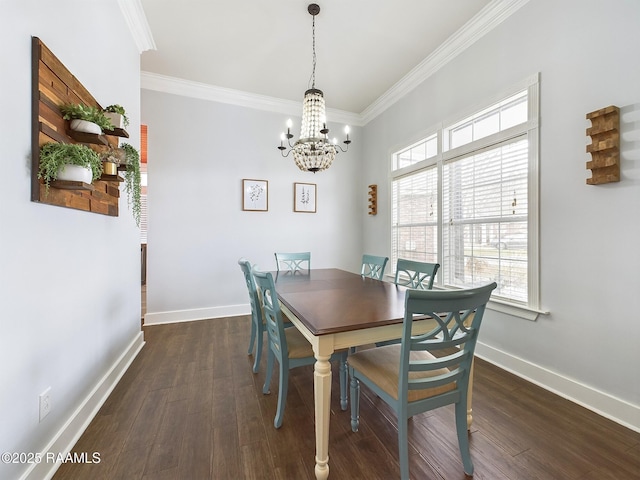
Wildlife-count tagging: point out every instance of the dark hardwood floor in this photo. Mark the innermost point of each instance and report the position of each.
(189, 407)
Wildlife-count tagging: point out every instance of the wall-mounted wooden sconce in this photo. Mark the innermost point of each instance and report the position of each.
(605, 146)
(373, 199)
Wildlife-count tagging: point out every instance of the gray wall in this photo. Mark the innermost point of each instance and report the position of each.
(199, 152)
(586, 53)
(69, 280)
(589, 254)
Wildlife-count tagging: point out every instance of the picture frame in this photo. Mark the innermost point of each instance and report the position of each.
(304, 197)
(255, 195)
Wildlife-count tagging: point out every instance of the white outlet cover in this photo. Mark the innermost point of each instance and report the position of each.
(45, 403)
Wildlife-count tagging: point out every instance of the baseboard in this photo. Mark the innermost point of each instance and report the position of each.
(602, 403)
(176, 316)
(71, 431)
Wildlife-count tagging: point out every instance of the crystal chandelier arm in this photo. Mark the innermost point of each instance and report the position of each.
(282, 149)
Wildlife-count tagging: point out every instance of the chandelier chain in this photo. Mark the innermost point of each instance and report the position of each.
(313, 44)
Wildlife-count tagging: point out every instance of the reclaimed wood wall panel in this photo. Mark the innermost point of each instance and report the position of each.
(52, 86)
(605, 145)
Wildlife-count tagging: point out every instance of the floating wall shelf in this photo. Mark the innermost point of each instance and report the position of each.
(373, 199)
(54, 85)
(605, 146)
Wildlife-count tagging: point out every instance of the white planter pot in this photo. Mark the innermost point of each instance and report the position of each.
(85, 126)
(75, 173)
(117, 119)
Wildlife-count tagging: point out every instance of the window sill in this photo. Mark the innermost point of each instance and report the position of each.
(520, 311)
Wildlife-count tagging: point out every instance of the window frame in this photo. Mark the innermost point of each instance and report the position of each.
(530, 129)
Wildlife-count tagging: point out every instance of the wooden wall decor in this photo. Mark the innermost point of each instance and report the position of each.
(373, 199)
(53, 85)
(605, 146)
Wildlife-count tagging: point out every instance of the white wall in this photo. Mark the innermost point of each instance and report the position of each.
(70, 280)
(586, 53)
(199, 152)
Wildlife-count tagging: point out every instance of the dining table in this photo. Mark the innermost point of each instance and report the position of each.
(336, 309)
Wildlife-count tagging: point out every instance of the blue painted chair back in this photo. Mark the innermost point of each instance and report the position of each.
(272, 314)
(257, 327)
(293, 262)
(373, 266)
(289, 347)
(427, 370)
(458, 315)
(417, 275)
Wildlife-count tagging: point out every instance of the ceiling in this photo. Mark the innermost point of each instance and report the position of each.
(265, 47)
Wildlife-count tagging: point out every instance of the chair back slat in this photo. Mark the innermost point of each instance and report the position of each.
(373, 266)
(458, 315)
(272, 313)
(415, 274)
(293, 262)
(254, 300)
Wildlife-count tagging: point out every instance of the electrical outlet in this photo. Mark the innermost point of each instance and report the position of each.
(45, 403)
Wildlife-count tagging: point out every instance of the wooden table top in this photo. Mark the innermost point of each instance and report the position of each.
(332, 300)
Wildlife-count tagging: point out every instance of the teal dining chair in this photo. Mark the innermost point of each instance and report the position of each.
(414, 274)
(373, 266)
(293, 262)
(288, 346)
(257, 323)
(425, 371)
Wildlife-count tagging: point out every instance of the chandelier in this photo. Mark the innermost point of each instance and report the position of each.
(313, 152)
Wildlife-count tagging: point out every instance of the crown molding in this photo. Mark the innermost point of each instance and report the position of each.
(486, 20)
(137, 22)
(203, 91)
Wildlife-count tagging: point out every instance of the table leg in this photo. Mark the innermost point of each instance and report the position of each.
(322, 397)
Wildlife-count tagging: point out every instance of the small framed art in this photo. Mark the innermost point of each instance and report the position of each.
(255, 195)
(304, 197)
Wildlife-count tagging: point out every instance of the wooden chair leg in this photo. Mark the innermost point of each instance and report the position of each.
(343, 382)
(267, 378)
(469, 397)
(355, 403)
(252, 338)
(463, 436)
(403, 446)
(282, 395)
(260, 341)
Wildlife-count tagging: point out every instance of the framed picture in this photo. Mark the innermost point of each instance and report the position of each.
(304, 197)
(255, 195)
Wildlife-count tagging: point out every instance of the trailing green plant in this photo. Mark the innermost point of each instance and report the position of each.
(71, 111)
(118, 109)
(55, 155)
(132, 179)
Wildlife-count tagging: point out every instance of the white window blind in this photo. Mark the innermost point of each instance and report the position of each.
(485, 203)
(415, 217)
(467, 197)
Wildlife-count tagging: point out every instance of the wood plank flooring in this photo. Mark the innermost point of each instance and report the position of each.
(189, 407)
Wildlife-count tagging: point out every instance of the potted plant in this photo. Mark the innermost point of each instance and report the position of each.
(111, 159)
(132, 179)
(68, 161)
(85, 119)
(117, 115)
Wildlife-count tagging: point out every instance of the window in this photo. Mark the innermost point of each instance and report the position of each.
(466, 197)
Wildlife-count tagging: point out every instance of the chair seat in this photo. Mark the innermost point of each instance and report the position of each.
(382, 366)
(299, 347)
